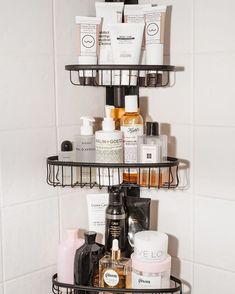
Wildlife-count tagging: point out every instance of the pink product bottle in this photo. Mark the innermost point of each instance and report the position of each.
(66, 253)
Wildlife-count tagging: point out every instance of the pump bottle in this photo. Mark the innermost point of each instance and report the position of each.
(85, 150)
(109, 149)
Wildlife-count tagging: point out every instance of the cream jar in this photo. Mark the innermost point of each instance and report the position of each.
(150, 275)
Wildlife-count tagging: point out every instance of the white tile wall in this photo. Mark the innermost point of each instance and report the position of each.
(1, 265)
(39, 108)
(30, 237)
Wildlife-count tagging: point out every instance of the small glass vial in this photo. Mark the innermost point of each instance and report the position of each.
(150, 151)
(114, 269)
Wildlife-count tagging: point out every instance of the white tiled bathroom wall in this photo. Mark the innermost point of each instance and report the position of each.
(39, 108)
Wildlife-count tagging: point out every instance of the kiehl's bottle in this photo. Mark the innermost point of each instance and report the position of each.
(132, 127)
(116, 226)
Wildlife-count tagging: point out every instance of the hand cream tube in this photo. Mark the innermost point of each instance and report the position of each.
(126, 41)
(88, 32)
(96, 204)
(154, 34)
(135, 14)
(111, 13)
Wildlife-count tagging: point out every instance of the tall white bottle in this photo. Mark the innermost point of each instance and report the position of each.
(65, 257)
(109, 149)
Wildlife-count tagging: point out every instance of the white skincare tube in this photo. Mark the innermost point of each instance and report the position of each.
(154, 34)
(126, 42)
(135, 14)
(96, 204)
(111, 13)
(88, 44)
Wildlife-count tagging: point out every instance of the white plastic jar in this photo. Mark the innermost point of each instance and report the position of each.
(150, 275)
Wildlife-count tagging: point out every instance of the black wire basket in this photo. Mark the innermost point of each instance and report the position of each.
(163, 175)
(121, 75)
(61, 288)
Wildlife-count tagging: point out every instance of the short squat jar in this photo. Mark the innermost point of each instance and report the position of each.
(150, 275)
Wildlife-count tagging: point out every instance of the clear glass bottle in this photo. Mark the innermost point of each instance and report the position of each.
(150, 151)
(114, 269)
(132, 127)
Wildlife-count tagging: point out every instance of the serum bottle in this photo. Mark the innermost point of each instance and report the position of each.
(114, 269)
(132, 127)
(85, 150)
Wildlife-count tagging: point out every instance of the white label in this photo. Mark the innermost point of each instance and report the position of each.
(111, 278)
(88, 39)
(145, 282)
(109, 150)
(150, 153)
(130, 143)
(153, 28)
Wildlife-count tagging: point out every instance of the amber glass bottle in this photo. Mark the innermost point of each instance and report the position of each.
(132, 127)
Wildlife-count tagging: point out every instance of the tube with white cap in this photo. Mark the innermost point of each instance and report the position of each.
(109, 149)
(88, 44)
(85, 150)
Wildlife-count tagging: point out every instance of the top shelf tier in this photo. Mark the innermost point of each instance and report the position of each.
(121, 75)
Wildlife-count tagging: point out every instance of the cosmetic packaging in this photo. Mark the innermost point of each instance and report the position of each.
(150, 151)
(154, 34)
(132, 127)
(113, 269)
(126, 42)
(65, 257)
(96, 205)
(67, 174)
(86, 262)
(110, 13)
(150, 246)
(138, 218)
(150, 275)
(85, 150)
(88, 45)
(109, 149)
(116, 220)
(135, 14)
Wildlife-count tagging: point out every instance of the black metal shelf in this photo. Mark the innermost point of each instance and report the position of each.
(144, 75)
(59, 288)
(163, 175)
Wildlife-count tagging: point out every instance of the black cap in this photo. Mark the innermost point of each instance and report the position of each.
(115, 196)
(152, 128)
(66, 146)
(90, 237)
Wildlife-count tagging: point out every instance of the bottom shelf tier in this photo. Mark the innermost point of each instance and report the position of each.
(61, 288)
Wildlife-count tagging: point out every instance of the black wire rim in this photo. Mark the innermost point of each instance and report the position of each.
(59, 288)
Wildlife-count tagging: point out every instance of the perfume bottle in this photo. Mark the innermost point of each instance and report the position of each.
(150, 151)
(132, 127)
(114, 269)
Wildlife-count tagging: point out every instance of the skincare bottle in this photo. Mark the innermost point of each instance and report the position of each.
(113, 269)
(109, 149)
(65, 257)
(67, 174)
(119, 104)
(150, 151)
(116, 226)
(86, 262)
(85, 150)
(132, 127)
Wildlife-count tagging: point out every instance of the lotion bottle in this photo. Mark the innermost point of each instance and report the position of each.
(109, 149)
(85, 150)
(65, 257)
(132, 127)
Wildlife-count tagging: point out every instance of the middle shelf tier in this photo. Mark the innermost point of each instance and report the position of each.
(162, 175)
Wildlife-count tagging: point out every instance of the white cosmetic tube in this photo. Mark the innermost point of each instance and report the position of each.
(126, 42)
(154, 34)
(88, 44)
(135, 14)
(96, 204)
(110, 13)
